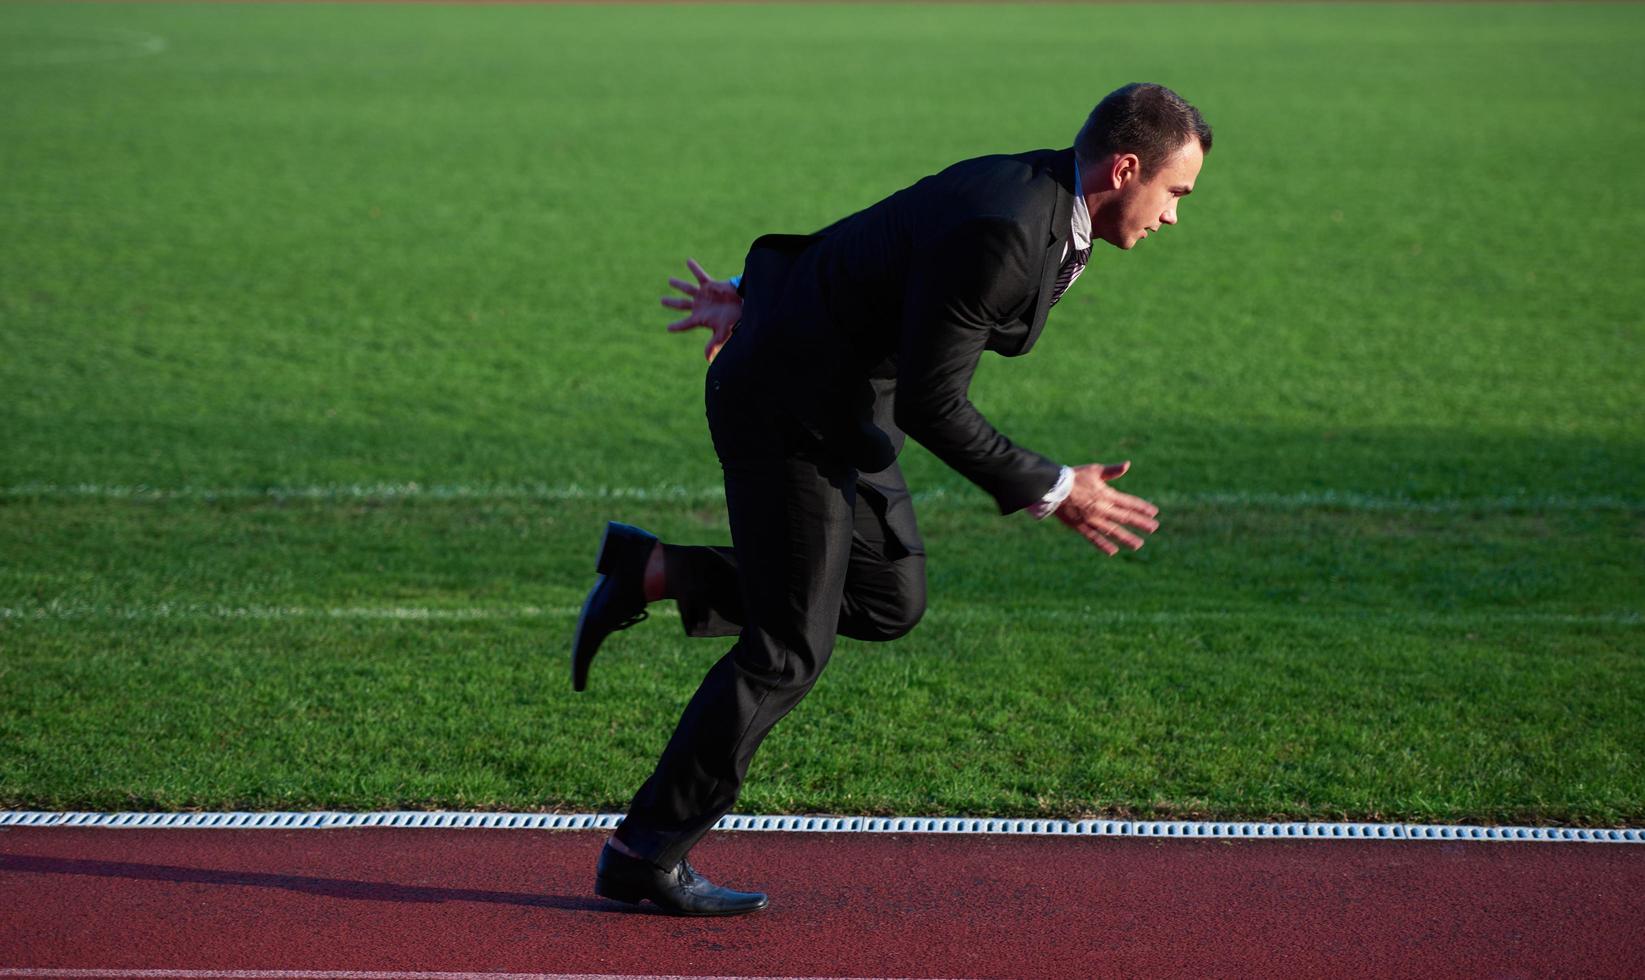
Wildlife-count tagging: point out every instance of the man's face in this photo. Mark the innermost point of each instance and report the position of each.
(1144, 203)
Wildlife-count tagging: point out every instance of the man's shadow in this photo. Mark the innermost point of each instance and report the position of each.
(379, 891)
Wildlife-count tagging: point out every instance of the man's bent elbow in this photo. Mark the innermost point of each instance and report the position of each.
(919, 421)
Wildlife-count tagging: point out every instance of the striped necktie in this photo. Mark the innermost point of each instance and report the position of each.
(1070, 269)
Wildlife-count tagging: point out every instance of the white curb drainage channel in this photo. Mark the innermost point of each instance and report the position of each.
(320, 820)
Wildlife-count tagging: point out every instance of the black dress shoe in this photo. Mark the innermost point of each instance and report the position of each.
(681, 891)
(617, 600)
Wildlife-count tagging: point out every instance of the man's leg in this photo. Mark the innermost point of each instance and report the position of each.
(792, 523)
(885, 586)
(702, 579)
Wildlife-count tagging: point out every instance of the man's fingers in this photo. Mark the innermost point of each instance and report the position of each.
(1142, 524)
(1098, 528)
(1105, 505)
(1133, 518)
(715, 342)
(1137, 504)
(697, 270)
(1114, 471)
(677, 302)
(1103, 535)
(1121, 535)
(1098, 540)
(684, 324)
(682, 285)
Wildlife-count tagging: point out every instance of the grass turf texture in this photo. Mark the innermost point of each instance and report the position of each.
(1383, 377)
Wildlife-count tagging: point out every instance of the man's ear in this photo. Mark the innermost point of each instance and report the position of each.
(1124, 168)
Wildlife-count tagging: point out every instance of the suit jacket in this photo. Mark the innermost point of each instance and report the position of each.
(873, 326)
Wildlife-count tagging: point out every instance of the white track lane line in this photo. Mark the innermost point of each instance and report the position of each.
(1322, 499)
(1180, 829)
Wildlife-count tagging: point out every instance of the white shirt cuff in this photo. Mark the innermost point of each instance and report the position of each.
(1055, 496)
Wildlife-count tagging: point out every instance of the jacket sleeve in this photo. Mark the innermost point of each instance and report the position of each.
(958, 291)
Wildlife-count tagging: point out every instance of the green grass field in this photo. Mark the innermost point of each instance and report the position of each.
(331, 339)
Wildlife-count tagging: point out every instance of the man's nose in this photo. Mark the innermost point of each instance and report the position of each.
(1169, 217)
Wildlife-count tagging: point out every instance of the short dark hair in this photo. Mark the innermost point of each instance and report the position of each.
(1142, 118)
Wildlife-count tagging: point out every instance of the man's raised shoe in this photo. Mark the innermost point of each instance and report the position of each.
(681, 891)
(617, 600)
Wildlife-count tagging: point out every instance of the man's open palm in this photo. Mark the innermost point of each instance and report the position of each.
(1101, 514)
(712, 304)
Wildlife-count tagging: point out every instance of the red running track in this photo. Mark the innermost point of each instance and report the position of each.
(842, 905)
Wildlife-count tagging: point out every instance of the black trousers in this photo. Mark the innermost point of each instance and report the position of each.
(818, 550)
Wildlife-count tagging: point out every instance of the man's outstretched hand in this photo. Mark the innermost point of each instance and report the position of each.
(1101, 514)
(712, 304)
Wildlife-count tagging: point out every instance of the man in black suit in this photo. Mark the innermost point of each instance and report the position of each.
(823, 354)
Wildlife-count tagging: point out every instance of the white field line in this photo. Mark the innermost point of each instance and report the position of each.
(64, 610)
(1301, 500)
(81, 45)
(366, 491)
(189, 610)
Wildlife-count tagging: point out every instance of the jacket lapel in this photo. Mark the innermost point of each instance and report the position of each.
(1059, 230)
(1055, 180)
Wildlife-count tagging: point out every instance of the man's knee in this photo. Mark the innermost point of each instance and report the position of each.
(906, 616)
(889, 616)
(785, 657)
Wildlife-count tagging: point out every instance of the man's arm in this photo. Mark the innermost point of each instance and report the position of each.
(958, 291)
(972, 284)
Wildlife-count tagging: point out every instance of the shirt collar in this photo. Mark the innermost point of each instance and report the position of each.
(1082, 214)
